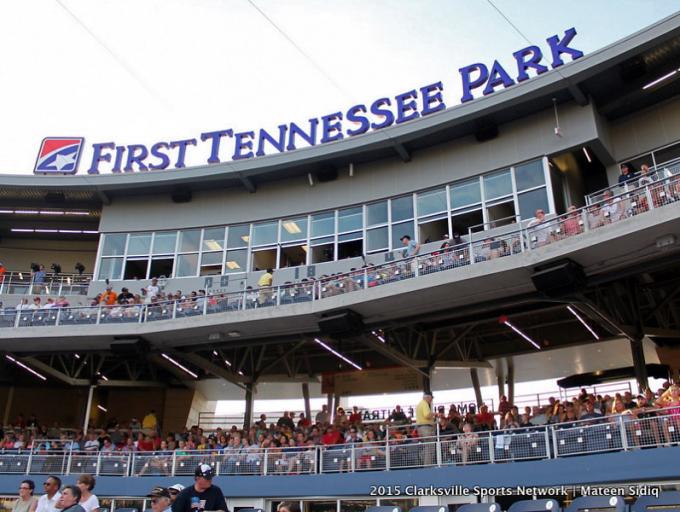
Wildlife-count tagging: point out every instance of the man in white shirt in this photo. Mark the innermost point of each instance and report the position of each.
(48, 501)
(152, 290)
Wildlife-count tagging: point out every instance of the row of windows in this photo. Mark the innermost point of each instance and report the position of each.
(485, 201)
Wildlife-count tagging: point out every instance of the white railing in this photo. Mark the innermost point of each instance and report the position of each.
(621, 432)
(26, 283)
(574, 223)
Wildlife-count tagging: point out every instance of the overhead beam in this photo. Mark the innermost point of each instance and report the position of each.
(247, 183)
(453, 343)
(171, 368)
(105, 198)
(577, 93)
(39, 365)
(460, 364)
(402, 152)
(213, 369)
(395, 355)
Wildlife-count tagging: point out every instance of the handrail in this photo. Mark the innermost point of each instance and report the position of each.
(618, 432)
(531, 237)
(25, 283)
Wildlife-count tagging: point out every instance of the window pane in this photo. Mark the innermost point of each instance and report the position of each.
(350, 219)
(399, 230)
(186, 265)
(322, 241)
(265, 233)
(236, 261)
(213, 239)
(430, 202)
(402, 208)
(139, 243)
(189, 240)
(110, 268)
(211, 258)
(376, 213)
(665, 155)
(238, 236)
(465, 193)
(529, 175)
(376, 239)
(164, 242)
(497, 184)
(529, 202)
(323, 224)
(294, 229)
(114, 245)
(349, 236)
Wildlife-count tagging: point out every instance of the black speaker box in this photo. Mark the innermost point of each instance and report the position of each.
(559, 278)
(181, 195)
(486, 132)
(132, 347)
(326, 175)
(341, 324)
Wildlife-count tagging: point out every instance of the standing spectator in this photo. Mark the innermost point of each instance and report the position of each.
(26, 502)
(425, 425)
(70, 496)
(48, 501)
(2, 272)
(38, 276)
(322, 417)
(150, 422)
(355, 417)
(264, 283)
(504, 406)
(398, 417)
(627, 174)
(303, 421)
(410, 250)
(151, 291)
(88, 501)
(286, 421)
(203, 493)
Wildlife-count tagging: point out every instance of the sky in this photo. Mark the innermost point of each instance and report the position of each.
(143, 71)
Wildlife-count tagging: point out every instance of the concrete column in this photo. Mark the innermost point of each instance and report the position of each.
(88, 408)
(639, 363)
(250, 399)
(500, 379)
(511, 381)
(475, 385)
(305, 396)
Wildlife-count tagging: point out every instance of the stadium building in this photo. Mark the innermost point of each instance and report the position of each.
(536, 256)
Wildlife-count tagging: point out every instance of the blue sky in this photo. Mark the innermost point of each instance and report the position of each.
(142, 71)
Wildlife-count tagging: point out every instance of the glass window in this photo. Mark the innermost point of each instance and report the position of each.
(213, 239)
(264, 233)
(349, 236)
(114, 245)
(529, 175)
(189, 240)
(110, 268)
(665, 155)
(497, 184)
(376, 239)
(211, 258)
(465, 193)
(236, 261)
(164, 242)
(399, 230)
(323, 224)
(433, 201)
(529, 202)
(322, 241)
(187, 265)
(139, 243)
(238, 236)
(376, 213)
(294, 229)
(356, 505)
(402, 208)
(350, 219)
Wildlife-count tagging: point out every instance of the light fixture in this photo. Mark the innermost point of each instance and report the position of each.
(22, 365)
(504, 320)
(234, 334)
(214, 352)
(104, 409)
(232, 265)
(240, 372)
(337, 354)
(227, 362)
(44, 212)
(378, 335)
(292, 227)
(26, 212)
(77, 356)
(585, 150)
(66, 231)
(212, 245)
(102, 377)
(178, 365)
(573, 312)
(660, 79)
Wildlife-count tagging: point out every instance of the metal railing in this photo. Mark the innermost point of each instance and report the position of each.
(27, 283)
(534, 236)
(621, 432)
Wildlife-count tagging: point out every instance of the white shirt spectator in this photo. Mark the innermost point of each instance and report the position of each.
(91, 445)
(90, 504)
(48, 505)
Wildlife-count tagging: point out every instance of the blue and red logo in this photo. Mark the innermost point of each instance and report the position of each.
(59, 155)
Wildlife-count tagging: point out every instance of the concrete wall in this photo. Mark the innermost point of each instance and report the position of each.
(18, 254)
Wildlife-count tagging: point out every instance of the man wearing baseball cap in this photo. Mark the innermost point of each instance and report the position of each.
(203, 495)
(160, 499)
(174, 491)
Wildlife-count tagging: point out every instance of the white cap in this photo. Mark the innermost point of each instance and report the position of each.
(177, 487)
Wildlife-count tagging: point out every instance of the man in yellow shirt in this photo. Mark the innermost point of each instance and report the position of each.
(150, 422)
(425, 427)
(264, 285)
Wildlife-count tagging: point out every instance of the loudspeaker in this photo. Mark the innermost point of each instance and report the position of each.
(341, 324)
(128, 348)
(486, 132)
(559, 278)
(326, 175)
(633, 69)
(182, 195)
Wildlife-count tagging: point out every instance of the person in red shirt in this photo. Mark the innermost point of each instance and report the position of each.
(304, 422)
(355, 417)
(484, 419)
(332, 436)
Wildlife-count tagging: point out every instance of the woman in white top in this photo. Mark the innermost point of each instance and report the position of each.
(87, 500)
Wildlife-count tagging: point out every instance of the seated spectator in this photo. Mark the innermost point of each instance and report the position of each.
(125, 297)
(540, 231)
(612, 208)
(340, 418)
(332, 436)
(286, 421)
(355, 418)
(572, 224)
(303, 421)
(398, 417)
(596, 216)
(109, 297)
(467, 442)
(484, 420)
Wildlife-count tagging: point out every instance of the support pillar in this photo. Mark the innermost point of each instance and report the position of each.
(427, 380)
(250, 399)
(305, 396)
(511, 381)
(639, 363)
(475, 385)
(8, 406)
(500, 379)
(88, 408)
